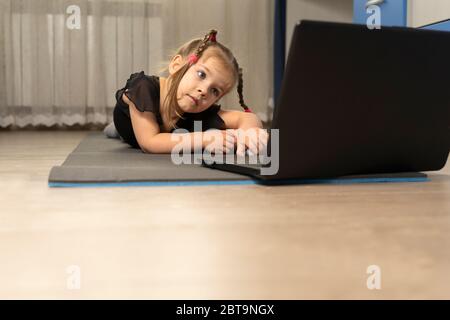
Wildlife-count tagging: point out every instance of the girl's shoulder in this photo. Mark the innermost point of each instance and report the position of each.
(140, 78)
(143, 91)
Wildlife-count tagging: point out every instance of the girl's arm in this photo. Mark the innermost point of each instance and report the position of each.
(151, 140)
(239, 120)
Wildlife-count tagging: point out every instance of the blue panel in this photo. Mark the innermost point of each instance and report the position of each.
(440, 26)
(393, 12)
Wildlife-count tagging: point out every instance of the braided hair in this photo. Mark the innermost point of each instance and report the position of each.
(193, 50)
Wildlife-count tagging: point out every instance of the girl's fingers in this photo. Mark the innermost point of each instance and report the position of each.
(263, 140)
(262, 144)
(230, 139)
(229, 150)
(229, 145)
(218, 150)
(263, 136)
(240, 142)
(244, 139)
(240, 149)
(257, 145)
(253, 147)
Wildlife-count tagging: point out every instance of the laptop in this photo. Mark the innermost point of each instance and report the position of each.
(356, 101)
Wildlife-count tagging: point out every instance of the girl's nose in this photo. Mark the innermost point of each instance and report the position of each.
(202, 91)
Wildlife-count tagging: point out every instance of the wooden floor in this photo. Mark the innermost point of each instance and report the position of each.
(214, 242)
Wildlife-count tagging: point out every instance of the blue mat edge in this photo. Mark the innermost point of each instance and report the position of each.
(235, 182)
(146, 183)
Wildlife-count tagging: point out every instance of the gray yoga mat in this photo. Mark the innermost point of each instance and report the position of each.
(100, 160)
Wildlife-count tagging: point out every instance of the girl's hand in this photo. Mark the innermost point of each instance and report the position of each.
(219, 141)
(254, 139)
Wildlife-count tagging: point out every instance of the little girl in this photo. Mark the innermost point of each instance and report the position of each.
(150, 108)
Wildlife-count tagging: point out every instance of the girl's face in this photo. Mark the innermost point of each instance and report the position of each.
(203, 85)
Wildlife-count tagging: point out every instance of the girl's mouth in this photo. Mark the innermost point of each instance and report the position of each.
(193, 99)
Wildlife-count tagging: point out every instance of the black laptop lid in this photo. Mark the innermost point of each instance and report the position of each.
(359, 101)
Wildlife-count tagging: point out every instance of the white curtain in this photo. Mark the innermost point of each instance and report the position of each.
(54, 75)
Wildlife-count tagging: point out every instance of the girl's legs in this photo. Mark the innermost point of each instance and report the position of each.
(123, 126)
(111, 132)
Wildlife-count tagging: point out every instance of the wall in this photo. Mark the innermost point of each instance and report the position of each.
(421, 12)
(328, 10)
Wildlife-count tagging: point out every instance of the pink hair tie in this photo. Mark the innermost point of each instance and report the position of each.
(193, 58)
(248, 110)
(212, 37)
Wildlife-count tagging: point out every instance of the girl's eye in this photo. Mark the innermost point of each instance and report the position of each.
(201, 74)
(215, 92)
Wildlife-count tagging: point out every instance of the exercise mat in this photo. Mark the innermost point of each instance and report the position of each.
(100, 161)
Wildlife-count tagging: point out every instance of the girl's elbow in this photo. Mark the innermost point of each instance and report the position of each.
(251, 120)
(152, 147)
(258, 121)
(146, 147)
(145, 150)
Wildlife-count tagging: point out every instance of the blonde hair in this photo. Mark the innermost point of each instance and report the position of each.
(197, 47)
